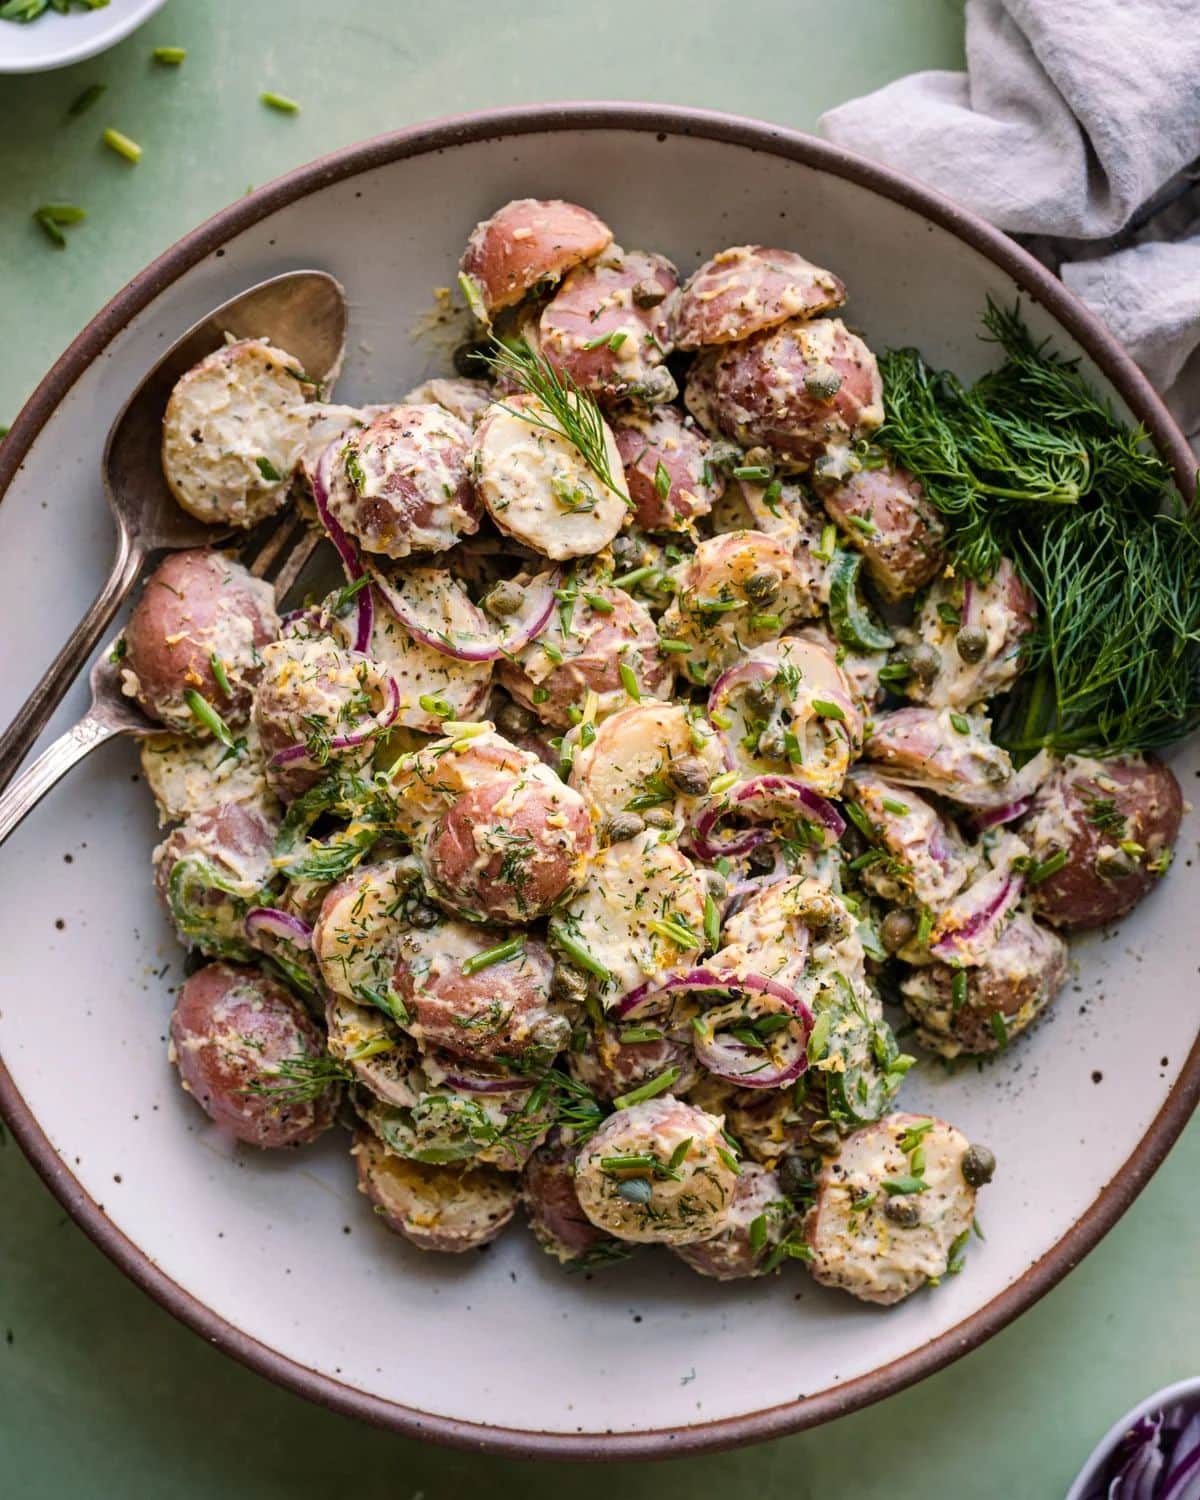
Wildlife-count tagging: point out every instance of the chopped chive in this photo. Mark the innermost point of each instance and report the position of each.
(828, 542)
(899, 1187)
(632, 1163)
(514, 948)
(577, 953)
(730, 1160)
(85, 100)
(766, 622)
(268, 470)
(552, 652)
(863, 524)
(629, 682)
(961, 723)
(679, 1153)
(172, 56)
(436, 706)
(50, 229)
(540, 694)
(675, 930)
(204, 713)
(860, 820)
(1048, 867)
(220, 676)
(899, 809)
(828, 710)
(757, 473)
(122, 145)
(924, 928)
(722, 721)
(712, 922)
(662, 480)
(587, 734)
(895, 671)
(758, 1233)
(999, 1028)
(627, 580)
(599, 603)
(958, 989)
(280, 102)
(631, 1035)
(674, 648)
(647, 1090)
(718, 606)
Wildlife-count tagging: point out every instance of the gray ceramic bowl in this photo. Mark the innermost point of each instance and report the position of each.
(1187, 1391)
(278, 1261)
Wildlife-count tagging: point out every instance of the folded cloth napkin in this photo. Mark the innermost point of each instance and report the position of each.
(1075, 127)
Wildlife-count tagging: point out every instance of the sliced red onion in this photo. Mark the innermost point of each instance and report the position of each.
(741, 675)
(367, 728)
(995, 896)
(484, 1083)
(279, 924)
(515, 634)
(782, 791)
(997, 816)
(703, 978)
(346, 548)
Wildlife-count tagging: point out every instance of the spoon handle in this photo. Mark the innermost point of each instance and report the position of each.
(50, 767)
(45, 698)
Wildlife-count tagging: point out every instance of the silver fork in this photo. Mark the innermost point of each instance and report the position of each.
(111, 713)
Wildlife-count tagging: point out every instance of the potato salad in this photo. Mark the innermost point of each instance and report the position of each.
(568, 851)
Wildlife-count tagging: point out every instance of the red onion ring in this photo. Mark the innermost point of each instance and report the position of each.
(368, 729)
(986, 918)
(816, 809)
(279, 924)
(743, 673)
(539, 606)
(995, 817)
(346, 549)
(703, 978)
(481, 1083)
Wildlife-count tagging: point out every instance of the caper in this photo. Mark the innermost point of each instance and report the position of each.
(1115, 864)
(823, 385)
(971, 643)
(771, 743)
(622, 826)
(896, 929)
(978, 1166)
(715, 884)
(659, 817)
(761, 861)
(925, 661)
(759, 698)
(902, 1211)
(568, 985)
(647, 293)
(504, 598)
(997, 772)
(824, 1136)
(763, 585)
(626, 550)
(724, 455)
(470, 360)
(689, 774)
(635, 1190)
(514, 719)
(795, 1177)
(424, 916)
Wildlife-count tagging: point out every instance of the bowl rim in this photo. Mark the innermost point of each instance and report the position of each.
(1037, 283)
(121, 25)
(1179, 1390)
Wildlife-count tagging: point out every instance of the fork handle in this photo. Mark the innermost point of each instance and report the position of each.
(50, 767)
(17, 739)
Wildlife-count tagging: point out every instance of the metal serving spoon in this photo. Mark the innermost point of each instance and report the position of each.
(303, 312)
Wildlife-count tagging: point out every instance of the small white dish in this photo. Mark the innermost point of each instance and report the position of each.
(1183, 1390)
(56, 41)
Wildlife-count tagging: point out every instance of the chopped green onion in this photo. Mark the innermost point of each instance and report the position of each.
(639, 1163)
(577, 953)
(678, 1155)
(662, 480)
(647, 1090)
(828, 542)
(631, 1035)
(599, 603)
(268, 470)
(766, 622)
(999, 1028)
(898, 809)
(828, 710)
(961, 723)
(1048, 867)
(207, 715)
(758, 473)
(712, 922)
(675, 930)
(674, 648)
(639, 575)
(501, 953)
(85, 100)
(173, 56)
(629, 681)
(958, 989)
(899, 1187)
(438, 707)
(220, 676)
(122, 145)
(758, 1233)
(280, 102)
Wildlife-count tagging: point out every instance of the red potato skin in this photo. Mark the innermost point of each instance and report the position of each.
(229, 1026)
(761, 398)
(619, 1067)
(1147, 795)
(906, 550)
(472, 842)
(371, 1162)
(664, 437)
(748, 288)
(592, 304)
(527, 241)
(559, 1225)
(604, 639)
(448, 1008)
(166, 638)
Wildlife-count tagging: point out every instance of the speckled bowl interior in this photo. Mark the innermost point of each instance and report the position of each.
(277, 1258)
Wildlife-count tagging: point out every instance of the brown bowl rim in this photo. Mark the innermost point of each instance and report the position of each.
(1143, 402)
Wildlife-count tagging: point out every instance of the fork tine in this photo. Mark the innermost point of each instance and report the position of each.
(277, 539)
(293, 564)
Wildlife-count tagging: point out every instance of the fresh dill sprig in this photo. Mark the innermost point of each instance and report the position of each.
(1032, 464)
(573, 413)
(299, 1079)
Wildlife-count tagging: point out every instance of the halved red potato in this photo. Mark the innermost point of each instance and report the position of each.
(447, 1209)
(211, 870)
(426, 781)
(357, 934)
(605, 629)
(618, 1058)
(250, 1057)
(528, 242)
(317, 706)
(323, 423)
(748, 288)
(944, 752)
(981, 1008)
(759, 1218)
(923, 857)
(380, 1055)
(644, 1204)
(506, 851)
(402, 484)
(971, 638)
(607, 327)
(667, 469)
(883, 512)
(798, 390)
(879, 1242)
(463, 398)
(538, 487)
(737, 591)
(501, 1012)
(231, 433)
(559, 1225)
(1116, 821)
(198, 626)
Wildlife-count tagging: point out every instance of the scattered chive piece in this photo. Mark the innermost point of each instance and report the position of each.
(220, 677)
(898, 1187)
(630, 1035)
(599, 603)
(828, 710)
(629, 682)
(436, 706)
(730, 1160)
(53, 216)
(958, 989)
(999, 1029)
(676, 930)
(552, 652)
(924, 928)
(712, 922)
(1048, 867)
(587, 734)
(674, 648)
(577, 953)
(172, 56)
(766, 622)
(895, 671)
(677, 1156)
(514, 948)
(540, 694)
(626, 1163)
(863, 524)
(662, 480)
(758, 1233)
(207, 715)
(828, 542)
(85, 100)
(122, 145)
(759, 473)
(960, 723)
(268, 470)
(647, 1090)
(899, 809)
(639, 575)
(280, 102)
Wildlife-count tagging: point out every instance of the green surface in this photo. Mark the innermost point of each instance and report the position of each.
(101, 1393)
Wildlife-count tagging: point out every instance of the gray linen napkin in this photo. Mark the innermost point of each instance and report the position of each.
(1073, 128)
